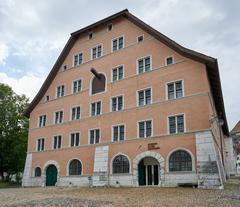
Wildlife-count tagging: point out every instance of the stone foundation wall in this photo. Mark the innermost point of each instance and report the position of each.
(174, 179)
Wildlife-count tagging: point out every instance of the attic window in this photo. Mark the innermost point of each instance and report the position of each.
(110, 27)
(169, 60)
(90, 35)
(65, 67)
(140, 38)
(47, 98)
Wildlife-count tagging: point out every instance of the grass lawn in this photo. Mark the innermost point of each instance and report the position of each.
(4, 184)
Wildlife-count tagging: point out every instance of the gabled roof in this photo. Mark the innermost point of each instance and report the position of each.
(211, 63)
(236, 129)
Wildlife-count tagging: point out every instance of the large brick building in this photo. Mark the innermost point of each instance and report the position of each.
(125, 105)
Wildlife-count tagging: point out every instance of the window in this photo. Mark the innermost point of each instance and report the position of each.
(47, 98)
(117, 73)
(37, 172)
(42, 121)
(90, 35)
(78, 59)
(77, 86)
(57, 142)
(176, 124)
(76, 113)
(144, 97)
(117, 103)
(169, 60)
(75, 139)
(40, 144)
(180, 161)
(110, 27)
(65, 67)
(94, 136)
(117, 44)
(118, 133)
(120, 164)
(175, 90)
(140, 38)
(75, 167)
(96, 108)
(144, 64)
(97, 52)
(60, 91)
(58, 117)
(145, 129)
(98, 84)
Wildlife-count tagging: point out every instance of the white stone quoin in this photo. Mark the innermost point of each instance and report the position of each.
(26, 180)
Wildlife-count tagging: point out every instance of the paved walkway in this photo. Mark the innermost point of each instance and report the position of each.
(107, 197)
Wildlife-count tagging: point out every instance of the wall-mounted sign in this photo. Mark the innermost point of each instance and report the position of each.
(153, 146)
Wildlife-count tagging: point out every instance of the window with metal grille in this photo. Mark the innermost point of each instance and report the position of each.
(120, 164)
(75, 167)
(144, 64)
(176, 124)
(180, 161)
(117, 44)
(144, 97)
(175, 90)
(37, 172)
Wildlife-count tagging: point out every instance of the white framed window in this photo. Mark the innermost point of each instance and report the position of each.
(109, 27)
(117, 43)
(74, 139)
(117, 103)
(58, 117)
(40, 144)
(60, 91)
(96, 108)
(169, 60)
(176, 124)
(96, 52)
(145, 129)
(140, 38)
(144, 97)
(78, 59)
(77, 86)
(42, 121)
(76, 112)
(94, 136)
(57, 142)
(117, 73)
(47, 98)
(118, 133)
(144, 64)
(90, 35)
(175, 90)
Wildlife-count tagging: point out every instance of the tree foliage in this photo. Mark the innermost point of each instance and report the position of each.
(13, 131)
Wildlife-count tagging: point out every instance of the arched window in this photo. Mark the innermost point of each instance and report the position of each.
(180, 160)
(75, 167)
(37, 172)
(120, 164)
(98, 84)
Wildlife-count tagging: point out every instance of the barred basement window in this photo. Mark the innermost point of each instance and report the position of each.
(37, 172)
(75, 167)
(180, 161)
(120, 164)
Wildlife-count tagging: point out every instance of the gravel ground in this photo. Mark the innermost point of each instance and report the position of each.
(108, 197)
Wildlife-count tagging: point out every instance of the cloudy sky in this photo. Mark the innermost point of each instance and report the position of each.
(33, 33)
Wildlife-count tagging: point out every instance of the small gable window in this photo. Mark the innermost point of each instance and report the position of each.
(98, 84)
(110, 27)
(90, 35)
(140, 38)
(169, 60)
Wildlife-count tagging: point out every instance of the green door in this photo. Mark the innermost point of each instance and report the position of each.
(51, 175)
(141, 173)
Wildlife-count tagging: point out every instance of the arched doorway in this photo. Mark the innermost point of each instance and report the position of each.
(51, 175)
(148, 171)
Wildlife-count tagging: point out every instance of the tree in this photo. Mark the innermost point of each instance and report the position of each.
(13, 131)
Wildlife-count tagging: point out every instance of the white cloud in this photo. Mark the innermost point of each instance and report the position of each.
(28, 84)
(4, 52)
